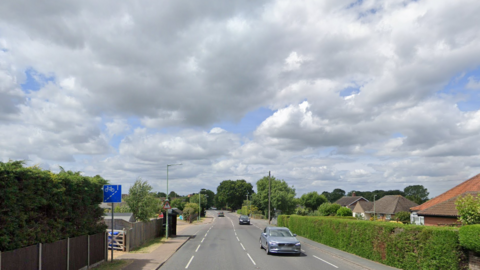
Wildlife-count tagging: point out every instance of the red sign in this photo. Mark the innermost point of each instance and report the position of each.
(161, 215)
(167, 206)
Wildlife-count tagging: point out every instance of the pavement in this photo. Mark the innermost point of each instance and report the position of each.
(156, 258)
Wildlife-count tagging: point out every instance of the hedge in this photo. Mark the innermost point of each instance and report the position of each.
(470, 237)
(397, 245)
(38, 206)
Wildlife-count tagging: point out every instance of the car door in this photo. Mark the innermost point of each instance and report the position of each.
(264, 238)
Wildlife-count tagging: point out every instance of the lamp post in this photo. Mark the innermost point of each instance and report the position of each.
(168, 165)
(374, 215)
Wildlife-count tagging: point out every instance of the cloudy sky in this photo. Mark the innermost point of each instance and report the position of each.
(326, 94)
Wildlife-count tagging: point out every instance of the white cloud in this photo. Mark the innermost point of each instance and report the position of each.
(183, 69)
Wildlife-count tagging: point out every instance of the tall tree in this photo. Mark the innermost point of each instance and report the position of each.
(312, 200)
(282, 196)
(203, 200)
(160, 195)
(210, 198)
(232, 193)
(142, 203)
(173, 194)
(334, 195)
(416, 193)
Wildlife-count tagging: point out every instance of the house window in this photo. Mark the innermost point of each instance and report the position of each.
(388, 217)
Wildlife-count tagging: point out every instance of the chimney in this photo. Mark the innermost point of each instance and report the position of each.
(353, 194)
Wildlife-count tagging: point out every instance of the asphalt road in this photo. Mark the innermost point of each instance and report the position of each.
(224, 244)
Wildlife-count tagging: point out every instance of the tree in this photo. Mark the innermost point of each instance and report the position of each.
(328, 209)
(161, 195)
(416, 193)
(344, 212)
(468, 208)
(210, 198)
(282, 196)
(203, 200)
(232, 193)
(122, 209)
(178, 203)
(334, 195)
(142, 203)
(312, 200)
(173, 194)
(192, 205)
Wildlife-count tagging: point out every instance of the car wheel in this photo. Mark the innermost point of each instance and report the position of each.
(266, 249)
(261, 247)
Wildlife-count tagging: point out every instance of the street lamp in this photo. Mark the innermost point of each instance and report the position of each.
(168, 165)
(199, 203)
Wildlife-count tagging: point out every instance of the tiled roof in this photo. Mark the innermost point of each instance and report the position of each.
(391, 204)
(363, 206)
(348, 200)
(472, 184)
(445, 208)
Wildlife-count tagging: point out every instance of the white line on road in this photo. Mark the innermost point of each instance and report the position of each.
(238, 239)
(251, 259)
(189, 262)
(206, 234)
(325, 261)
(203, 239)
(242, 246)
(197, 248)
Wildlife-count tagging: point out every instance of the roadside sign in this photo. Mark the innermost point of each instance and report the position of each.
(167, 205)
(112, 193)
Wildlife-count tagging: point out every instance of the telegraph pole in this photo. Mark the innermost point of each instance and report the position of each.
(269, 191)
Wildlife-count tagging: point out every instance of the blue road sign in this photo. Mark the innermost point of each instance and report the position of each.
(112, 193)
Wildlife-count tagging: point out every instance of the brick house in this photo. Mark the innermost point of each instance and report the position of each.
(441, 211)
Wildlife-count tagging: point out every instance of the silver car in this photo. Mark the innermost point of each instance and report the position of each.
(279, 240)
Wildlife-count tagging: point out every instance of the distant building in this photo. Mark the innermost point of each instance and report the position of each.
(350, 201)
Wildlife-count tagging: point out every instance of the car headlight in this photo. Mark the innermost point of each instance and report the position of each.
(273, 243)
(298, 244)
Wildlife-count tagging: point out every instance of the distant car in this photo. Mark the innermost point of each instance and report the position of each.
(244, 220)
(220, 214)
(279, 240)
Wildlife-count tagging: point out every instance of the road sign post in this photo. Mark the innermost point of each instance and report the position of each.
(112, 194)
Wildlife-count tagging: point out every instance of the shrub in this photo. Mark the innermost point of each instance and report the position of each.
(344, 212)
(328, 209)
(397, 245)
(38, 206)
(469, 236)
(403, 217)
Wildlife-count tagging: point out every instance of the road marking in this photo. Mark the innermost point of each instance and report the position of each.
(206, 234)
(325, 261)
(197, 248)
(303, 250)
(238, 239)
(189, 262)
(242, 246)
(253, 260)
(203, 239)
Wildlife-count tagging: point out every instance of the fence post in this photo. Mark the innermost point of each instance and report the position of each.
(106, 246)
(68, 253)
(39, 256)
(88, 252)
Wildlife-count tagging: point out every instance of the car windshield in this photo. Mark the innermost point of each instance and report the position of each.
(243, 217)
(281, 233)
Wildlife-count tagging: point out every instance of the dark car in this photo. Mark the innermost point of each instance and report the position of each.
(244, 220)
(280, 240)
(220, 214)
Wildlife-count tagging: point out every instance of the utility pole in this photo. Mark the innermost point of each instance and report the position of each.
(269, 191)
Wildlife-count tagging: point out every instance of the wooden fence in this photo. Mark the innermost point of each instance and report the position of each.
(76, 253)
(137, 233)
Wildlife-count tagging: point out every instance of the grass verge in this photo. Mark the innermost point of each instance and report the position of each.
(149, 246)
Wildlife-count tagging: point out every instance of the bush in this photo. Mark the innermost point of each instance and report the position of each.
(469, 237)
(344, 212)
(397, 245)
(328, 209)
(38, 206)
(403, 217)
